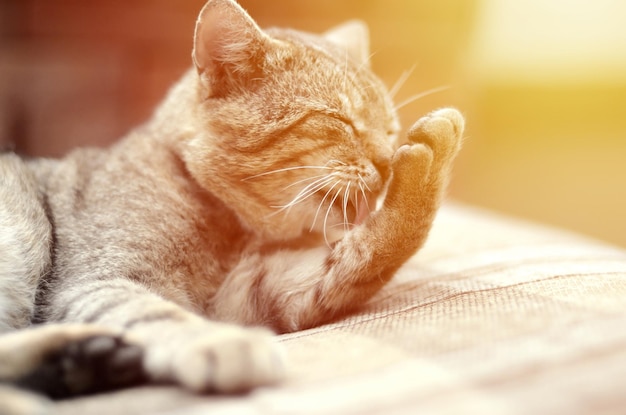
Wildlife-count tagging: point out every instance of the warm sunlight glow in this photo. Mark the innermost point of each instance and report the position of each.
(545, 83)
(551, 41)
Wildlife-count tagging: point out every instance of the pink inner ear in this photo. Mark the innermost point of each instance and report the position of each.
(207, 38)
(225, 35)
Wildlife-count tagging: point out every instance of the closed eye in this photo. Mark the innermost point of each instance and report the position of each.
(347, 127)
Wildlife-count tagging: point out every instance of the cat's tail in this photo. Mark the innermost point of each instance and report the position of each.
(25, 242)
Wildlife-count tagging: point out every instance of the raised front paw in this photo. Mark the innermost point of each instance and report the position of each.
(420, 174)
(434, 141)
(442, 132)
(217, 358)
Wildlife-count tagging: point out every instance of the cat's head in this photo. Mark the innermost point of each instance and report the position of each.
(294, 131)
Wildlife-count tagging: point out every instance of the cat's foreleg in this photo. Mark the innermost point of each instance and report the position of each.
(178, 346)
(294, 289)
(365, 260)
(116, 333)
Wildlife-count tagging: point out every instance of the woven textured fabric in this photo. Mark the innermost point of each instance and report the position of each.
(493, 315)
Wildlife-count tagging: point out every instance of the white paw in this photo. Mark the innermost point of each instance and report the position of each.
(228, 359)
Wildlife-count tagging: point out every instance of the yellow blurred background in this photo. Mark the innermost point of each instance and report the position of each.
(545, 83)
(542, 83)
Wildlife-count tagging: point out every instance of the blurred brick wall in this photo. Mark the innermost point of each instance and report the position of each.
(82, 72)
(77, 72)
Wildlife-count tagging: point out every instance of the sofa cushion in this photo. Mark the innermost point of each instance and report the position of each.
(493, 315)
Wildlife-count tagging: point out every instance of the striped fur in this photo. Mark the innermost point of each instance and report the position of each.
(248, 200)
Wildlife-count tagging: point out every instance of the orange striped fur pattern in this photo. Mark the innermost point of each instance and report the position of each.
(270, 190)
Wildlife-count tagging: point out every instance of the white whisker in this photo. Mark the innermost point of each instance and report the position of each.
(306, 179)
(330, 207)
(362, 181)
(366, 62)
(400, 82)
(287, 169)
(306, 192)
(420, 95)
(311, 188)
(317, 212)
(346, 196)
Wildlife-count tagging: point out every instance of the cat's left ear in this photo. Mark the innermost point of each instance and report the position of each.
(353, 36)
(229, 47)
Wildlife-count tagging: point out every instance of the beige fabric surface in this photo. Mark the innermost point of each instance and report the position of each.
(492, 316)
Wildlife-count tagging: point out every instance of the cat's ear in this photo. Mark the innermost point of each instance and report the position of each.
(353, 36)
(229, 47)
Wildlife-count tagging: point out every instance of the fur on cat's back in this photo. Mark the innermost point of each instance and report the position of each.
(249, 199)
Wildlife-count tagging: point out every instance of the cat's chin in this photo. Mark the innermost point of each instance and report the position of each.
(310, 221)
(297, 233)
(334, 235)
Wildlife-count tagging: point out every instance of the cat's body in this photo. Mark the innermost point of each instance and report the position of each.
(248, 198)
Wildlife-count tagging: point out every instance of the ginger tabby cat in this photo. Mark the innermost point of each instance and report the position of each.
(249, 199)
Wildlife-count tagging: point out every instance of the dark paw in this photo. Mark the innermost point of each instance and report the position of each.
(91, 365)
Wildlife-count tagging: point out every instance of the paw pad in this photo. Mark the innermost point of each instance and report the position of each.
(441, 130)
(89, 365)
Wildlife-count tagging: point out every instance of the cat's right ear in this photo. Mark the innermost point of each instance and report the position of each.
(229, 47)
(353, 36)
